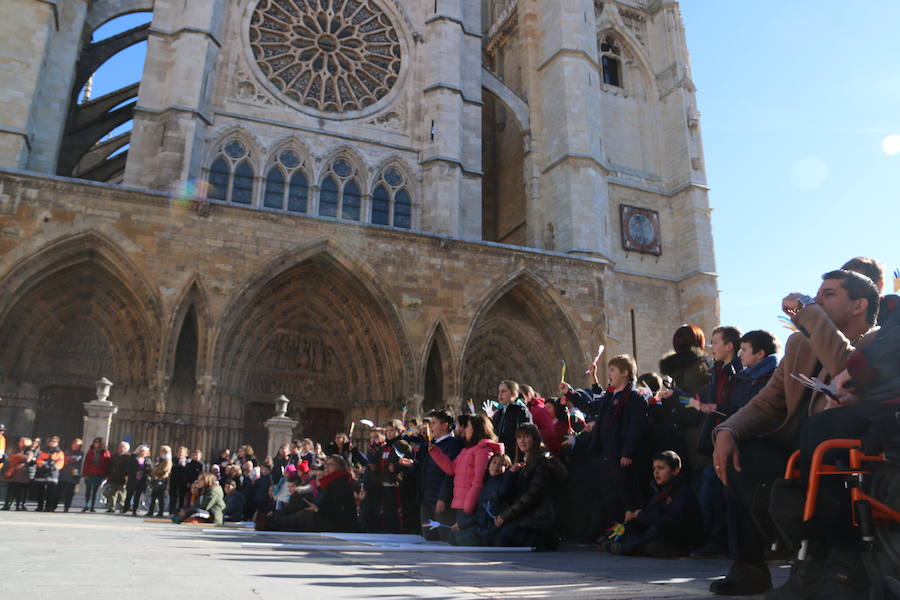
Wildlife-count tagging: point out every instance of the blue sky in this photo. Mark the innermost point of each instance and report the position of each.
(796, 98)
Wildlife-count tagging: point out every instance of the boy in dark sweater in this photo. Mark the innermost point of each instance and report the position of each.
(670, 525)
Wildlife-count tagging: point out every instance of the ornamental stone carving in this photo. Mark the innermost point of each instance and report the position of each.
(328, 57)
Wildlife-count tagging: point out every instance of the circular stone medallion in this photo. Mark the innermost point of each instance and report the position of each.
(331, 56)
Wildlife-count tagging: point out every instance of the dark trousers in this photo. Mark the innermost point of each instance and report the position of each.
(66, 492)
(637, 536)
(133, 493)
(47, 498)
(15, 492)
(426, 512)
(177, 498)
(762, 461)
(91, 487)
(157, 496)
(832, 525)
(624, 489)
(712, 504)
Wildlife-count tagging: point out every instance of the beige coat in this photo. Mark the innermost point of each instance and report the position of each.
(161, 470)
(777, 409)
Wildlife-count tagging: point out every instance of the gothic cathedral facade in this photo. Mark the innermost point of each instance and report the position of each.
(365, 205)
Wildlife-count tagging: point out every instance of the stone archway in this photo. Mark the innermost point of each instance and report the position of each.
(316, 333)
(520, 333)
(71, 317)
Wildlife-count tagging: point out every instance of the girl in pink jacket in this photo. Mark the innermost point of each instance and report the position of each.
(469, 467)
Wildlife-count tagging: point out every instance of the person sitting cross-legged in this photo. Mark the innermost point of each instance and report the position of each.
(670, 524)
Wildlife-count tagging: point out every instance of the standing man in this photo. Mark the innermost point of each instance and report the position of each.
(753, 445)
(436, 488)
(117, 477)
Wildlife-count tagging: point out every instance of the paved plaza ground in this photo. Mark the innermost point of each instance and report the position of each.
(78, 556)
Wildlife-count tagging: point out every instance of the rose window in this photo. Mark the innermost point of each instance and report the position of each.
(330, 55)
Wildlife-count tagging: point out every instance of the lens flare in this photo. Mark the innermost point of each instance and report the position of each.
(809, 173)
(891, 145)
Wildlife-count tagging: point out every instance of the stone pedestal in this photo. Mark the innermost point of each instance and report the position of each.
(99, 414)
(97, 421)
(281, 430)
(280, 427)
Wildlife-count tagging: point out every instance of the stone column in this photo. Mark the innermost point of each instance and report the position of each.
(99, 414)
(451, 153)
(174, 107)
(558, 40)
(280, 427)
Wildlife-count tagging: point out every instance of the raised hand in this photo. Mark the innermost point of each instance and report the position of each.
(488, 407)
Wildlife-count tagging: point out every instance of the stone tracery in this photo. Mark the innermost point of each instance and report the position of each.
(333, 56)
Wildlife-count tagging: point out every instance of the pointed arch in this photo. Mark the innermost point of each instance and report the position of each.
(315, 289)
(519, 330)
(438, 370)
(632, 50)
(193, 296)
(75, 308)
(350, 154)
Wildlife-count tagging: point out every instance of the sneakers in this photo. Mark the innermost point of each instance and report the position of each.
(804, 582)
(743, 579)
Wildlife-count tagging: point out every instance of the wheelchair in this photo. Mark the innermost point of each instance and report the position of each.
(871, 475)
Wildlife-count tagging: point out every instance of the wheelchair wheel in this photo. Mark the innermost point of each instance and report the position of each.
(885, 487)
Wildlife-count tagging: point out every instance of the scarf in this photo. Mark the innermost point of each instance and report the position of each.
(327, 480)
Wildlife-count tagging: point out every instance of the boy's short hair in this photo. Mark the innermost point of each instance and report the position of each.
(730, 335)
(624, 362)
(760, 339)
(651, 380)
(670, 457)
(441, 415)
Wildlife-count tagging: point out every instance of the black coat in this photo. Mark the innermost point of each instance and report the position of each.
(350, 453)
(118, 468)
(535, 487)
(506, 421)
(134, 468)
(434, 484)
(620, 429)
(177, 481)
(675, 513)
(192, 470)
(337, 507)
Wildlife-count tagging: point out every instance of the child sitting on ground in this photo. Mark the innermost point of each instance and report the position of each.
(670, 525)
(490, 502)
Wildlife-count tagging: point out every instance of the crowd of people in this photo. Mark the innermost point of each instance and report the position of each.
(666, 464)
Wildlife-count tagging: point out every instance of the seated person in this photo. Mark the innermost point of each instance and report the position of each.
(670, 525)
(333, 509)
(497, 489)
(479, 529)
(530, 517)
(210, 505)
(234, 502)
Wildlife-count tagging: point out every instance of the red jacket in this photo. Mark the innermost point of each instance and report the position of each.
(542, 418)
(468, 471)
(88, 467)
